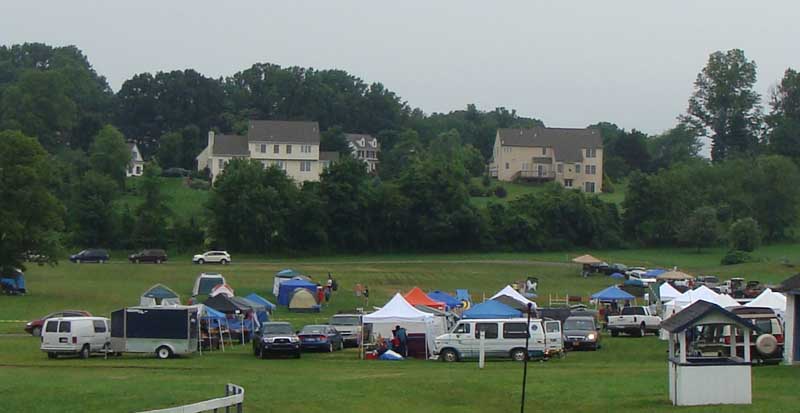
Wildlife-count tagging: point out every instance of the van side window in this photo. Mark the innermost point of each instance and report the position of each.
(489, 328)
(51, 327)
(552, 327)
(462, 328)
(99, 326)
(65, 327)
(514, 330)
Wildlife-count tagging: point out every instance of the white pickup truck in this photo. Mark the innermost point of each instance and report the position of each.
(635, 321)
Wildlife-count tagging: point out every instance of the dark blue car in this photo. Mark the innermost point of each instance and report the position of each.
(90, 255)
(320, 337)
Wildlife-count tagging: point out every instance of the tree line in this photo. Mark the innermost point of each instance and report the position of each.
(75, 128)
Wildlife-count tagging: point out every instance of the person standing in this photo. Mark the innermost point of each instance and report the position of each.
(366, 296)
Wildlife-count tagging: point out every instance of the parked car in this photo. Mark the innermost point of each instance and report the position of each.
(90, 255)
(320, 337)
(349, 326)
(766, 343)
(733, 287)
(12, 281)
(616, 267)
(636, 321)
(221, 257)
(155, 256)
(753, 289)
(581, 332)
(276, 338)
(35, 327)
(709, 281)
(76, 335)
(505, 338)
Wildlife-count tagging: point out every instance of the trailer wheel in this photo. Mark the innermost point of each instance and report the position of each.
(163, 352)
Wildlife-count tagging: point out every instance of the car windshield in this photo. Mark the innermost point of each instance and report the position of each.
(575, 324)
(313, 330)
(277, 329)
(345, 320)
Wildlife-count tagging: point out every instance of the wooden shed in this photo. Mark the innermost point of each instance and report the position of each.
(791, 287)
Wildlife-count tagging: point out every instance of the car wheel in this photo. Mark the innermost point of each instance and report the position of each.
(642, 330)
(341, 345)
(297, 355)
(224, 262)
(136, 260)
(158, 261)
(261, 353)
(84, 354)
(77, 261)
(518, 354)
(201, 261)
(614, 333)
(52, 355)
(37, 331)
(449, 355)
(330, 347)
(163, 352)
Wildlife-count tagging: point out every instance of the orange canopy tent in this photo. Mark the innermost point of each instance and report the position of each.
(418, 297)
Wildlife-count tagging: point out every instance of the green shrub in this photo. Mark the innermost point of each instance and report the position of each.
(500, 191)
(475, 190)
(608, 186)
(200, 184)
(733, 257)
(486, 181)
(744, 235)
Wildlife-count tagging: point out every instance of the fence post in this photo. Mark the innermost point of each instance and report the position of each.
(482, 355)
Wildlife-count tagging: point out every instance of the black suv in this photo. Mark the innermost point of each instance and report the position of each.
(276, 337)
(90, 255)
(156, 256)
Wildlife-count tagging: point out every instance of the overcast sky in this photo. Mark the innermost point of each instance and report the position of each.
(569, 63)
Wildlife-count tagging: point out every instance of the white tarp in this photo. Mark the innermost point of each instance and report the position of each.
(510, 292)
(770, 299)
(667, 292)
(399, 312)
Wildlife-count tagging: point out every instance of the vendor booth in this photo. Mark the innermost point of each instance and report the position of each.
(695, 379)
(398, 312)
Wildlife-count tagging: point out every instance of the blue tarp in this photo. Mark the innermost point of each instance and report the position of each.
(286, 289)
(654, 272)
(447, 299)
(261, 300)
(491, 309)
(617, 276)
(214, 317)
(612, 293)
(463, 295)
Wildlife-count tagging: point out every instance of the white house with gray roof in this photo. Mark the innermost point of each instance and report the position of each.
(571, 157)
(290, 145)
(365, 148)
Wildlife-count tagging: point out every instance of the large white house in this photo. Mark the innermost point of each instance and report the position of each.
(136, 164)
(365, 148)
(291, 145)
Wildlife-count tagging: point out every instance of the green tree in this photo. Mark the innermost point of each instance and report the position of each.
(109, 154)
(91, 211)
(744, 235)
(333, 140)
(724, 106)
(345, 192)
(679, 144)
(151, 216)
(784, 118)
(700, 229)
(169, 149)
(31, 216)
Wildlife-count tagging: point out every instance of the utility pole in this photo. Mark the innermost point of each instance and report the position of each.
(525, 363)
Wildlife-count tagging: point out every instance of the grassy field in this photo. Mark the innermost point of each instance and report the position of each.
(181, 200)
(628, 374)
(516, 190)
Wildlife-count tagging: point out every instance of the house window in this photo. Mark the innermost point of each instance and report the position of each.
(544, 151)
(220, 163)
(281, 165)
(305, 166)
(276, 149)
(592, 169)
(577, 168)
(305, 148)
(568, 183)
(506, 165)
(138, 170)
(560, 168)
(591, 152)
(589, 186)
(507, 149)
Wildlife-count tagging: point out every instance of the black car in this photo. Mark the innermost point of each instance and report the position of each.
(90, 255)
(581, 332)
(157, 256)
(275, 338)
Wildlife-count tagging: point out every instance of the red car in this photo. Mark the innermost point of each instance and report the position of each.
(34, 327)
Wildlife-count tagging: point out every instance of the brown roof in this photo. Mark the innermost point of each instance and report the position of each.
(567, 143)
(328, 156)
(283, 131)
(790, 285)
(355, 137)
(230, 145)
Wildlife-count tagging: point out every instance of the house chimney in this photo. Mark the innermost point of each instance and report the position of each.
(211, 141)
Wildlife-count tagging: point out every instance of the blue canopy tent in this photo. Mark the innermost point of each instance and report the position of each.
(617, 276)
(463, 295)
(491, 309)
(261, 300)
(448, 300)
(287, 288)
(612, 293)
(216, 320)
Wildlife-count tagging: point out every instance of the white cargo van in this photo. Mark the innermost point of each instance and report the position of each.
(76, 335)
(505, 338)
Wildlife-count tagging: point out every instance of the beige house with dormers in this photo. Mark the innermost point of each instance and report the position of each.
(571, 157)
(365, 148)
(290, 145)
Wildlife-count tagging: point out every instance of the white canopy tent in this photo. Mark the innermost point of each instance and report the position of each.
(667, 292)
(514, 294)
(399, 312)
(770, 299)
(690, 297)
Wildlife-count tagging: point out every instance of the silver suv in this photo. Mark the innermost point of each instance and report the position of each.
(349, 326)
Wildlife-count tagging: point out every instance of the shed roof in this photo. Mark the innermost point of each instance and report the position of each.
(230, 145)
(790, 285)
(566, 142)
(696, 312)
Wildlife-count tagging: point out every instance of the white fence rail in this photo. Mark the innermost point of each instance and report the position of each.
(233, 401)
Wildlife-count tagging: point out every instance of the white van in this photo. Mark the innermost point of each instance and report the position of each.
(505, 338)
(76, 335)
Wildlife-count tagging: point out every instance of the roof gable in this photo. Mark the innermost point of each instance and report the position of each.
(230, 145)
(362, 141)
(702, 311)
(567, 143)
